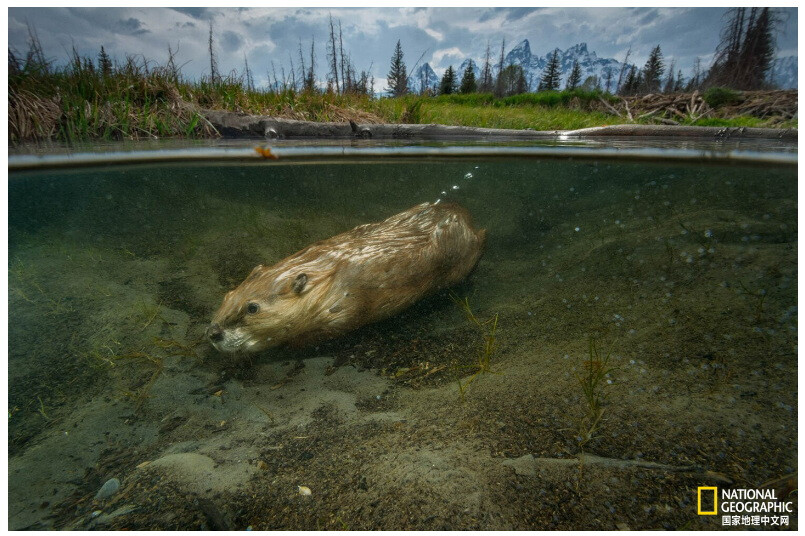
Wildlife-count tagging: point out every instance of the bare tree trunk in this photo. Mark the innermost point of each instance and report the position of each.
(334, 56)
(214, 76)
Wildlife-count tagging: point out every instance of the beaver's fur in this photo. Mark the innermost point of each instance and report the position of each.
(361, 276)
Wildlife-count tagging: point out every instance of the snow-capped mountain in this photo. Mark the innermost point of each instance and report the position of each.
(423, 77)
(591, 64)
(466, 63)
(783, 73)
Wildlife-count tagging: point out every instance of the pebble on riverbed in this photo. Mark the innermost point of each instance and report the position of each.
(108, 489)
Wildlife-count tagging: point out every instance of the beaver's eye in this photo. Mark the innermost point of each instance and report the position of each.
(252, 308)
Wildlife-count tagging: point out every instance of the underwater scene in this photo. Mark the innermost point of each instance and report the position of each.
(628, 335)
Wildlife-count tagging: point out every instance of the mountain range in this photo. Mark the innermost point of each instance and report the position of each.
(783, 73)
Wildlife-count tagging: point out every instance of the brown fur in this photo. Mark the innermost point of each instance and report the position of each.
(364, 275)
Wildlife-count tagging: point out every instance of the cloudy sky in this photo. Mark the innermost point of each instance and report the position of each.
(445, 35)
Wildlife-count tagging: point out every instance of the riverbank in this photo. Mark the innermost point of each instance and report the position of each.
(135, 103)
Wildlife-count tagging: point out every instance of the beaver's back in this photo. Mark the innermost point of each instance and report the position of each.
(431, 241)
(378, 269)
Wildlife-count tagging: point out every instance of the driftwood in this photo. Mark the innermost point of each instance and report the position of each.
(239, 125)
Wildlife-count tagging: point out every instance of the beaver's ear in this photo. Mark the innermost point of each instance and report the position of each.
(255, 272)
(299, 283)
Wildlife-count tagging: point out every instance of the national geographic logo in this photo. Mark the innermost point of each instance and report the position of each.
(708, 495)
(744, 506)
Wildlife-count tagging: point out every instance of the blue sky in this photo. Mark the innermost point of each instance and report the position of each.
(445, 35)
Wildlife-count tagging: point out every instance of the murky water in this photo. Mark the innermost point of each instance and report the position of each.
(687, 273)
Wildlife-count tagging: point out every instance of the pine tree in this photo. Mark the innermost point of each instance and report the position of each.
(591, 83)
(757, 52)
(695, 81)
(448, 84)
(624, 66)
(485, 84)
(512, 81)
(608, 78)
(105, 62)
(468, 84)
(499, 85)
(332, 56)
(550, 76)
(744, 54)
(575, 76)
(653, 70)
(310, 76)
(629, 86)
(678, 85)
(725, 62)
(397, 77)
(670, 82)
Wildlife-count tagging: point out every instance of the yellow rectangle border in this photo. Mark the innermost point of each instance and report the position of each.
(715, 500)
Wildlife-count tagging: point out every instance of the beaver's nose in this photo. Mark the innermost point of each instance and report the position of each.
(215, 333)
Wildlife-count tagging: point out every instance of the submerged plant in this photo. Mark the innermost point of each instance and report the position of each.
(592, 380)
(760, 294)
(488, 329)
(140, 395)
(149, 312)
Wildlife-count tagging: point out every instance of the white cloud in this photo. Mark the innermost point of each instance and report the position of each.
(452, 53)
(369, 34)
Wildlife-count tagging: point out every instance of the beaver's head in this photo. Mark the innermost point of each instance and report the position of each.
(262, 312)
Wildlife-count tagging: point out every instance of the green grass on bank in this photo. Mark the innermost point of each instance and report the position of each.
(518, 117)
(136, 100)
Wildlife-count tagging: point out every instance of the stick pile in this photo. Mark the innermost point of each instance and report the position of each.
(676, 108)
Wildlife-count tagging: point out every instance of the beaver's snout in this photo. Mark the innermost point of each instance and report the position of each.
(215, 333)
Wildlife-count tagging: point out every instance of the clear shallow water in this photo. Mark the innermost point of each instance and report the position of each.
(687, 271)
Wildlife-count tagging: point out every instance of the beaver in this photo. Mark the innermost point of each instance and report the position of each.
(361, 276)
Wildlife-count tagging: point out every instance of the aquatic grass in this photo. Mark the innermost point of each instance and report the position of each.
(760, 296)
(148, 312)
(141, 394)
(592, 380)
(23, 284)
(488, 330)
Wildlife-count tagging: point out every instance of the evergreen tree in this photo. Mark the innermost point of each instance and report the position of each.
(448, 83)
(105, 63)
(653, 71)
(744, 54)
(332, 56)
(550, 76)
(486, 84)
(678, 85)
(310, 76)
(670, 82)
(608, 79)
(631, 83)
(468, 80)
(397, 78)
(591, 83)
(757, 52)
(574, 79)
(512, 81)
(499, 85)
(695, 81)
